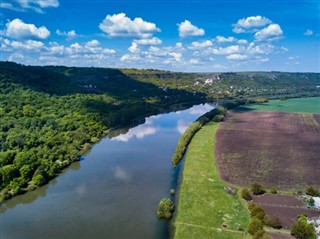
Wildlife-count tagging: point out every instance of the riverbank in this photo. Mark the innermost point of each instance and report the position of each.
(205, 209)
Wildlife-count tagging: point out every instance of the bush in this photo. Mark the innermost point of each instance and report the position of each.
(257, 189)
(38, 180)
(312, 192)
(257, 212)
(273, 191)
(165, 208)
(255, 225)
(301, 229)
(245, 194)
(274, 222)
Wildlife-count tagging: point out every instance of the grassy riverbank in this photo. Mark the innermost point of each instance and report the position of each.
(205, 210)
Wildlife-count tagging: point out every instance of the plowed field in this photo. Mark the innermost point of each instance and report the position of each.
(276, 149)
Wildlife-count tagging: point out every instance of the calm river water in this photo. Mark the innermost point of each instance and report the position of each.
(112, 193)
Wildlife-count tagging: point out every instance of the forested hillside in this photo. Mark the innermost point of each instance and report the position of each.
(51, 115)
(230, 84)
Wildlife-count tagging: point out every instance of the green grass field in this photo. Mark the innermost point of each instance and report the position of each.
(204, 206)
(299, 105)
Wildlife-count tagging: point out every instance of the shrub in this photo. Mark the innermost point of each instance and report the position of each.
(273, 191)
(257, 189)
(255, 225)
(274, 222)
(245, 194)
(165, 208)
(257, 211)
(312, 192)
(38, 180)
(301, 229)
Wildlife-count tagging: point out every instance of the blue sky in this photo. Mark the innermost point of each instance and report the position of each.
(201, 36)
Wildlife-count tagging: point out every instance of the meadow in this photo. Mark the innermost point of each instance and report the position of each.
(205, 209)
(298, 105)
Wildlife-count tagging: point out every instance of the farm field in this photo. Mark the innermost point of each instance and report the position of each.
(205, 209)
(298, 105)
(281, 236)
(275, 149)
(285, 207)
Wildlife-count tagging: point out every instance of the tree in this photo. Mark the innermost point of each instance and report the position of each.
(274, 222)
(245, 194)
(38, 180)
(257, 211)
(311, 202)
(312, 192)
(255, 225)
(165, 208)
(301, 229)
(273, 191)
(257, 189)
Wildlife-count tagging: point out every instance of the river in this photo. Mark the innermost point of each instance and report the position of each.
(113, 192)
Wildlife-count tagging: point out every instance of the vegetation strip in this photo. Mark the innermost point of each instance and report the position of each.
(216, 114)
(203, 198)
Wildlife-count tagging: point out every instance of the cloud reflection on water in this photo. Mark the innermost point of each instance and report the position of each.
(121, 174)
(141, 131)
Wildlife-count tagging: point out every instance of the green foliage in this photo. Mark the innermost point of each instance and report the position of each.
(257, 189)
(274, 222)
(245, 194)
(187, 136)
(49, 116)
(257, 211)
(301, 229)
(313, 192)
(255, 225)
(310, 202)
(165, 208)
(38, 180)
(273, 191)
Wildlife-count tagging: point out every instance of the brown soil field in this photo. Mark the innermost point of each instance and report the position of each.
(275, 149)
(286, 208)
(281, 236)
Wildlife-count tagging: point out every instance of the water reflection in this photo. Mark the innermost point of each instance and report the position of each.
(121, 174)
(182, 125)
(139, 132)
(113, 193)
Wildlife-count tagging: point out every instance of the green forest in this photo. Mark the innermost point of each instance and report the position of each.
(51, 115)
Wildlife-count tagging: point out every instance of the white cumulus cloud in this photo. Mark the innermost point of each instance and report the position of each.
(250, 24)
(237, 57)
(199, 45)
(308, 32)
(226, 50)
(70, 34)
(19, 30)
(150, 41)
(186, 29)
(222, 39)
(23, 5)
(119, 25)
(271, 32)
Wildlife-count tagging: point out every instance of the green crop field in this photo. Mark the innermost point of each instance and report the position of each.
(205, 209)
(299, 105)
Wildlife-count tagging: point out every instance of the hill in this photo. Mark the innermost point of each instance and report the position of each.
(50, 115)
